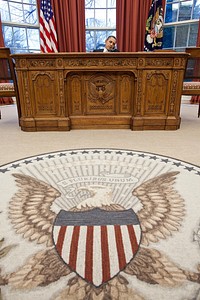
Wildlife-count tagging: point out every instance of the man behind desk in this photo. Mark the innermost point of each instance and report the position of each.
(110, 44)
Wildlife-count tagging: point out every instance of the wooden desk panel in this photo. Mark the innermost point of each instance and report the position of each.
(64, 91)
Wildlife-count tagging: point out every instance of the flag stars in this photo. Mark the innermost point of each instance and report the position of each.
(3, 170)
(178, 164)
(189, 169)
(39, 158)
(27, 162)
(15, 166)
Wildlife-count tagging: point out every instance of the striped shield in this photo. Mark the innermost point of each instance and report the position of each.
(97, 244)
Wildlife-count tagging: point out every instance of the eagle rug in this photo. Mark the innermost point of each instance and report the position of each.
(99, 224)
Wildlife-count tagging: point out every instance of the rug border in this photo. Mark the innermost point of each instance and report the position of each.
(99, 148)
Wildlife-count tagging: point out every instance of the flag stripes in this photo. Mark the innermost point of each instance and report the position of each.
(97, 253)
(133, 238)
(60, 240)
(74, 247)
(105, 255)
(89, 254)
(120, 247)
(48, 35)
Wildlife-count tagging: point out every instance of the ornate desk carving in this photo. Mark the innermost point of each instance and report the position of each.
(64, 91)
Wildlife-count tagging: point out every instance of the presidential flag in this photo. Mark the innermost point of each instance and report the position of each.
(154, 27)
(48, 35)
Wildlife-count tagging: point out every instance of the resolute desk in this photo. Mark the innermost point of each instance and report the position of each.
(122, 90)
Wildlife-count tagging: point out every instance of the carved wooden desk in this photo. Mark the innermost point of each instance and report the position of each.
(64, 91)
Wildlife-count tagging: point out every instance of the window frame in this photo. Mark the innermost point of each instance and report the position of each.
(177, 25)
(16, 27)
(99, 40)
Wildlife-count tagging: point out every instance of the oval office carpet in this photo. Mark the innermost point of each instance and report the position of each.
(99, 224)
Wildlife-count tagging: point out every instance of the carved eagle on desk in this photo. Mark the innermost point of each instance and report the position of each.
(67, 246)
(101, 89)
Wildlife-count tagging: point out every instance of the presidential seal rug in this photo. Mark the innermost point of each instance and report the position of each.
(99, 224)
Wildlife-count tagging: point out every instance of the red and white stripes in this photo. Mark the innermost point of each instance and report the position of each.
(97, 253)
(48, 35)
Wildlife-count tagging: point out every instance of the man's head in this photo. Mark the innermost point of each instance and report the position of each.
(110, 42)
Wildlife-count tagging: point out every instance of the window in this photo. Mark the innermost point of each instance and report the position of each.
(100, 18)
(181, 24)
(20, 25)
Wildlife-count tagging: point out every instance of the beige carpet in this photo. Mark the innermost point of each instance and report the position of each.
(100, 214)
(181, 144)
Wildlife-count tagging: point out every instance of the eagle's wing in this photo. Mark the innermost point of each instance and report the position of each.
(109, 90)
(162, 207)
(93, 92)
(43, 268)
(151, 266)
(29, 209)
(116, 288)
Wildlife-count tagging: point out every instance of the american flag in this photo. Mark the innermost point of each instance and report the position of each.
(48, 35)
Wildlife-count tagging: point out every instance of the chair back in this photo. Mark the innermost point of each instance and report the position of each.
(191, 84)
(193, 65)
(8, 79)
